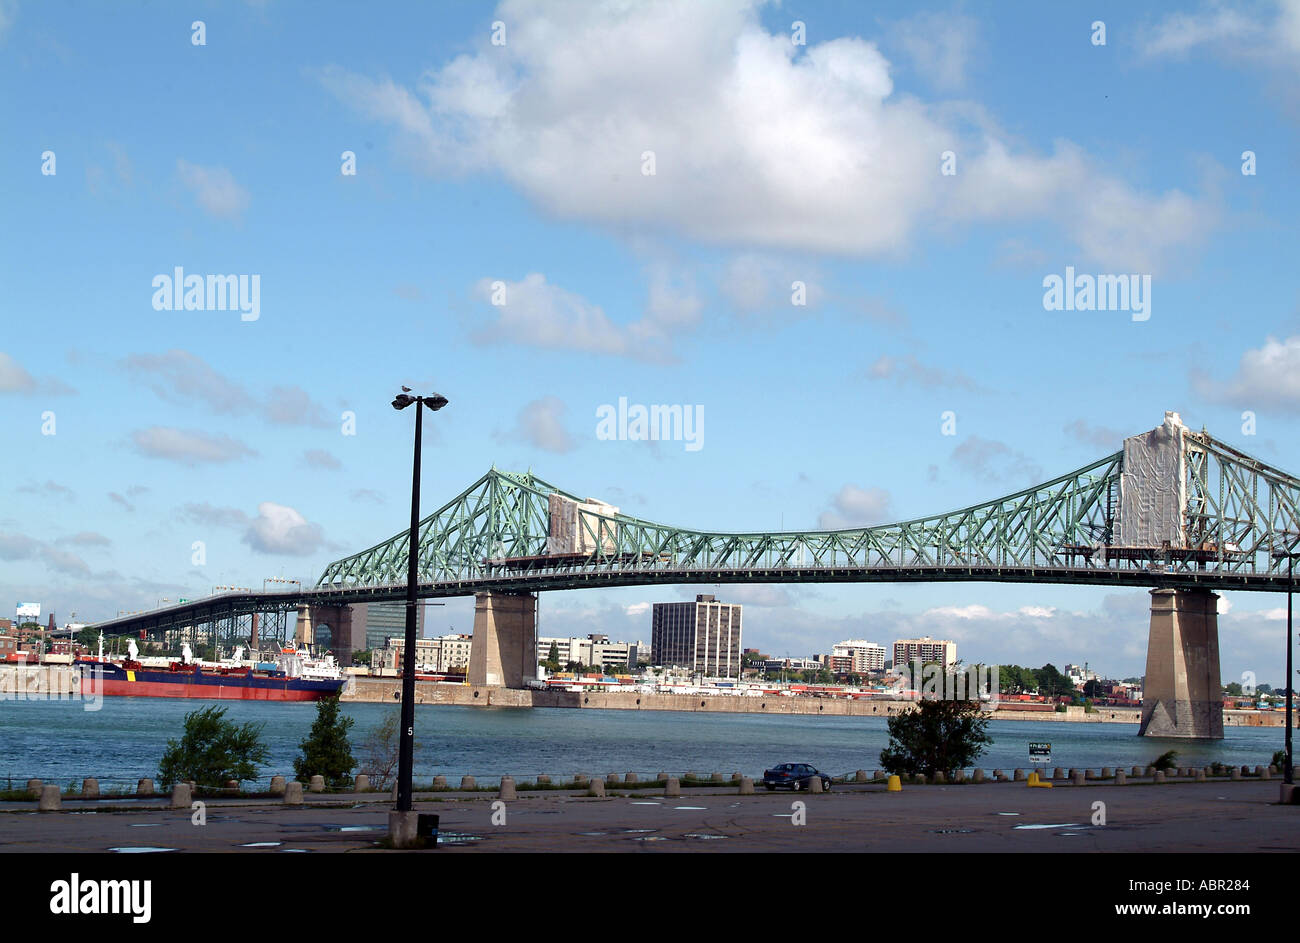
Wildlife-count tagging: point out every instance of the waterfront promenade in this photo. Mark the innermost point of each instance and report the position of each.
(1213, 816)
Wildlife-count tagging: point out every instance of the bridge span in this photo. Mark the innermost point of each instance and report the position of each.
(1174, 511)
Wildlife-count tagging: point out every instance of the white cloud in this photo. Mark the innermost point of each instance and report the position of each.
(214, 189)
(14, 378)
(188, 447)
(855, 507)
(538, 313)
(757, 142)
(1266, 376)
(282, 530)
(908, 371)
(993, 461)
(1271, 37)
(939, 45)
(541, 424)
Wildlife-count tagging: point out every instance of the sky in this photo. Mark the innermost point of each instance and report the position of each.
(823, 227)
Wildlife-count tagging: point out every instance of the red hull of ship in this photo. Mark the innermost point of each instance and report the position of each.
(221, 692)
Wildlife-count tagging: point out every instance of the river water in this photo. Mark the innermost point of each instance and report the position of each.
(60, 742)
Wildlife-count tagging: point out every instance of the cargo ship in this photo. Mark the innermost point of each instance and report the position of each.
(293, 676)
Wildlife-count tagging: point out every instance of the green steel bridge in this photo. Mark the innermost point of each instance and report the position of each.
(1173, 509)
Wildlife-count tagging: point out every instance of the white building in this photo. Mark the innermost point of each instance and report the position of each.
(924, 650)
(867, 656)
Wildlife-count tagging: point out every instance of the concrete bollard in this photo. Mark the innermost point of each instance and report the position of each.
(1089, 774)
(1235, 774)
(277, 785)
(1019, 776)
(144, 787)
(293, 793)
(34, 787)
(181, 796)
(1136, 771)
(999, 776)
(717, 778)
(440, 782)
(612, 779)
(938, 777)
(1159, 776)
(877, 774)
(1200, 775)
(1107, 772)
(895, 784)
(690, 774)
(815, 784)
(467, 784)
(672, 786)
(1259, 771)
(1078, 777)
(1120, 778)
(959, 776)
(361, 783)
(1272, 770)
(977, 776)
(746, 786)
(632, 778)
(1150, 771)
(581, 779)
(317, 784)
(596, 788)
(90, 789)
(1058, 773)
(1266, 772)
(543, 780)
(860, 776)
(51, 800)
(507, 788)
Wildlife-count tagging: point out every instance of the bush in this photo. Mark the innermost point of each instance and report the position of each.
(935, 736)
(326, 751)
(379, 752)
(213, 750)
(1166, 760)
(1279, 759)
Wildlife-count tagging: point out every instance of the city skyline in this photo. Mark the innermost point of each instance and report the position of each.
(259, 427)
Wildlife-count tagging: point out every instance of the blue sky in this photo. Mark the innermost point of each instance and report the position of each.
(523, 162)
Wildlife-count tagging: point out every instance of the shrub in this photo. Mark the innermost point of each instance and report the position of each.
(213, 750)
(935, 736)
(326, 751)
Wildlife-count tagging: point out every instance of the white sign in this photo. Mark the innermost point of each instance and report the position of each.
(32, 609)
(1040, 754)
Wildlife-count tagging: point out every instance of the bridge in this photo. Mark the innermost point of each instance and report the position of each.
(1175, 511)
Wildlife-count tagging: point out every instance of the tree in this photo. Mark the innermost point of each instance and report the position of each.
(379, 751)
(213, 750)
(326, 751)
(935, 736)
(1093, 689)
(1233, 689)
(1052, 683)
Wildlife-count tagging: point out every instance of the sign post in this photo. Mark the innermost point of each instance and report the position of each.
(1040, 754)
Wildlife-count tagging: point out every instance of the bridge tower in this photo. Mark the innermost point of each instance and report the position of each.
(505, 639)
(1181, 696)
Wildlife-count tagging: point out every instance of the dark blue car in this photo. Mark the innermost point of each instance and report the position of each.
(794, 776)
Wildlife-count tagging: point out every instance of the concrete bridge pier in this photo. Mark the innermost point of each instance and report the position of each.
(1182, 696)
(505, 639)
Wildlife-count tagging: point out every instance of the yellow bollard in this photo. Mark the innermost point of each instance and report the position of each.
(895, 785)
(1033, 778)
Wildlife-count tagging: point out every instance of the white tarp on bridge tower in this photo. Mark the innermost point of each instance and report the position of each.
(580, 527)
(1153, 488)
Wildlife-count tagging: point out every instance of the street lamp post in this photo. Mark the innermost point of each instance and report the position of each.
(1290, 555)
(406, 752)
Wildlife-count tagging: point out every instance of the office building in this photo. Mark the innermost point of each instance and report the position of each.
(863, 656)
(703, 636)
(924, 650)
